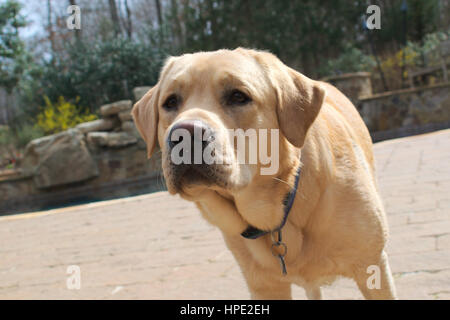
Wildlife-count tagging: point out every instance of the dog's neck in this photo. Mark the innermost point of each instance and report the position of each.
(261, 203)
(254, 233)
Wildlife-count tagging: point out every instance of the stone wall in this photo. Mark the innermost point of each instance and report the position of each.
(399, 113)
(106, 158)
(353, 85)
(96, 160)
(406, 108)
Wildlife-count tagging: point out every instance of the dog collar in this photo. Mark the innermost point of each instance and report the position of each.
(254, 233)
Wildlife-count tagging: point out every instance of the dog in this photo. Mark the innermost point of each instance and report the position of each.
(318, 216)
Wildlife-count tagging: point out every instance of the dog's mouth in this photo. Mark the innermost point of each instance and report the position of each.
(192, 174)
(182, 177)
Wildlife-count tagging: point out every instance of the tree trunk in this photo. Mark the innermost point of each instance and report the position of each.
(177, 24)
(51, 33)
(114, 16)
(212, 39)
(160, 22)
(129, 24)
(159, 13)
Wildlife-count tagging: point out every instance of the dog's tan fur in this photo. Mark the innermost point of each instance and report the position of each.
(337, 226)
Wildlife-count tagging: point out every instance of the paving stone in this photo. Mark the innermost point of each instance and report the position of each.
(157, 246)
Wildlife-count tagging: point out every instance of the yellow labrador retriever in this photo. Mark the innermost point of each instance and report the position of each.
(317, 215)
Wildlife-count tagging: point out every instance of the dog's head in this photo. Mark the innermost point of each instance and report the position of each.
(201, 101)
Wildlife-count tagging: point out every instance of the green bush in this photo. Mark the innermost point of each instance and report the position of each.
(351, 60)
(427, 52)
(98, 73)
(26, 133)
(13, 141)
(20, 136)
(13, 56)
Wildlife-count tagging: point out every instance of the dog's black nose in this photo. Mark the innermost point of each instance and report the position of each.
(199, 133)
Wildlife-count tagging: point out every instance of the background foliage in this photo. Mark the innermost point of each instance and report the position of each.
(60, 116)
(122, 44)
(99, 72)
(12, 50)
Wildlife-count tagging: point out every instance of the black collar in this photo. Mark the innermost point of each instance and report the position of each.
(254, 233)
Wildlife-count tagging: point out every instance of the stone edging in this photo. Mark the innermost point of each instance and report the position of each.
(347, 76)
(403, 91)
(408, 131)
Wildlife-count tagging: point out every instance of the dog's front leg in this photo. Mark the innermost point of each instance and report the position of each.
(313, 292)
(261, 282)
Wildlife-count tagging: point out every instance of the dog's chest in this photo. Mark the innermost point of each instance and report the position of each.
(311, 265)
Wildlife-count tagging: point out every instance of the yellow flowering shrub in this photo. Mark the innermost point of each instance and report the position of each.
(394, 62)
(60, 116)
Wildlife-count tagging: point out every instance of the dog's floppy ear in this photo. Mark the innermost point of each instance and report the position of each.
(145, 115)
(299, 98)
(299, 103)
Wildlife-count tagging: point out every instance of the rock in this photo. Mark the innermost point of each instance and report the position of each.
(125, 116)
(130, 127)
(139, 92)
(111, 139)
(59, 159)
(97, 139)
(115, 107)
(97, 125)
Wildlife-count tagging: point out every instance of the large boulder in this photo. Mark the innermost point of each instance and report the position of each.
(115, 107)
(59, 159)
(97, 125)
(110, 139)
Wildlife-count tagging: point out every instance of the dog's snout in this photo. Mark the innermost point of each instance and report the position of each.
(198, 133)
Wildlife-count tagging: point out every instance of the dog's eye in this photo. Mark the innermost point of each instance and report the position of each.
(237, 97)
(171, 102)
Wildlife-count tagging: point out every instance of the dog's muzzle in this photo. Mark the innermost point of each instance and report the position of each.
(188, 143)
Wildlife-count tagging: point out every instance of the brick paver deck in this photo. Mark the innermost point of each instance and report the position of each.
(157, 246)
